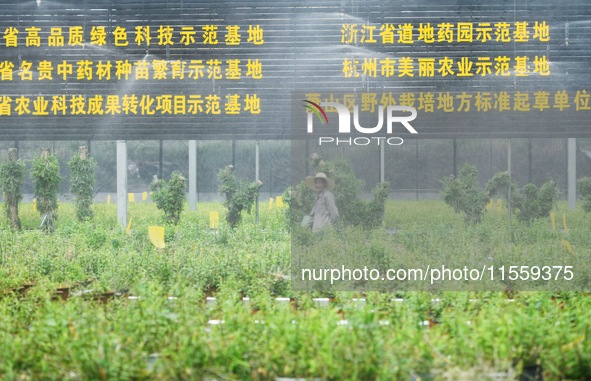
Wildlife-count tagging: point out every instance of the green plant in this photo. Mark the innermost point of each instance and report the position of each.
(240, 195)
(46, 179)
(499, 184)
(529, 201)
(82, 182)
(585, 191)
(12, 173)
(170, 196)
(347, 191)
(535, 203)
(373, 210)
(464, 194)
(167, 331)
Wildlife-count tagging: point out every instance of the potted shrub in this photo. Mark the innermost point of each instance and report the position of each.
(12, 173)
(46, 179)
(240, 195)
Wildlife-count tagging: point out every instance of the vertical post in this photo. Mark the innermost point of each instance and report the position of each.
(306, 158)
(160, 161)
(12, 154)
(417, 177)
(382, 166)
(491, 158)
(83, 152)
(192, 174)
(122, 183)
(454, 160)
(572, 173)
(257, 177)
(529, 156)
(510, 179)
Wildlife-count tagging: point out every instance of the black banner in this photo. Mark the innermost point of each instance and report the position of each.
(78, 70)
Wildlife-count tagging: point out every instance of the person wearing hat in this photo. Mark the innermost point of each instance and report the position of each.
(325, 210)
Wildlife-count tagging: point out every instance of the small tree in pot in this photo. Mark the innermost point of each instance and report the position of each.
(530, 201)
(240, 195)
(12, 173)
(464, 194)
(82, 182)
(170, 196)
(46, 179)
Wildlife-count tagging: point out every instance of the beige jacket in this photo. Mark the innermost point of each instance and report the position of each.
(325, 210)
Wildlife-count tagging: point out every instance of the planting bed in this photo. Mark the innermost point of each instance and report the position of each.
(91, 302)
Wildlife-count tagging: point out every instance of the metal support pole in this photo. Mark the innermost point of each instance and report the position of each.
(454, 159)
(510, 179)
(257, 177)
(529, 160)
(306, 158)
(417, 176)
(491, 158)
(382, 162)
(160, 155)
(122, 183)
(192, 174)
(572, 173)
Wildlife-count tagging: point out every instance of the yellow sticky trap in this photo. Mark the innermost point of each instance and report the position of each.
(128, 228)
(499, 205)
(490, 204)
(144, 196)
(567, 245)
(214, 220)
(553, 220)
(131, 197)
(108, 199)
(279, 201)
(564, 222)
(271, 203)
(34, 204)
(156, 236)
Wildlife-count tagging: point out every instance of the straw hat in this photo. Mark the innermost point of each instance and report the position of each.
(320, 175)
